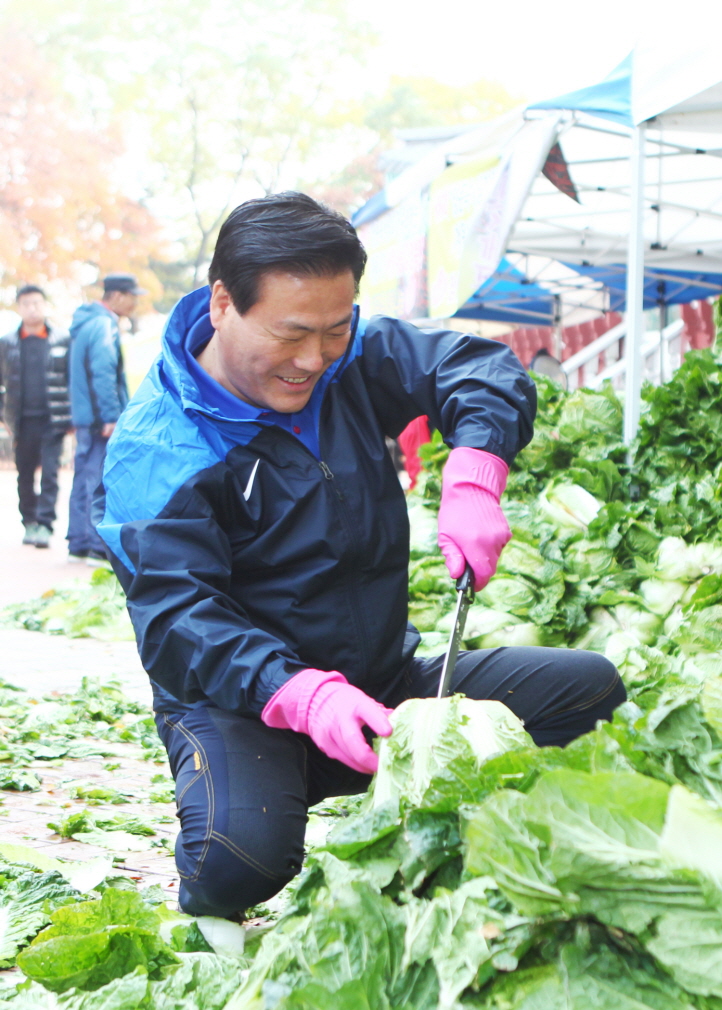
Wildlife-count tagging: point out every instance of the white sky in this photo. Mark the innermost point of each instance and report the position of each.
(536, 48)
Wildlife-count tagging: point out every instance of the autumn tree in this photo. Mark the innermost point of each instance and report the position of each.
(220, 101)
(224, 100)
(60, 206)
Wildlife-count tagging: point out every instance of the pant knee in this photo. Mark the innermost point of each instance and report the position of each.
(606, 689)
(228, 881)
(588, 689)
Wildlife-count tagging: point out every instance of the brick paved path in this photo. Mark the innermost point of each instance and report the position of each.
(24, 571)
(48, 664)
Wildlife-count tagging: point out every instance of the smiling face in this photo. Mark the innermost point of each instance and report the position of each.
(274, 354)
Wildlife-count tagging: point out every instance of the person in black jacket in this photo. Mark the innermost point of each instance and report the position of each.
(35, 408)
(253, 515)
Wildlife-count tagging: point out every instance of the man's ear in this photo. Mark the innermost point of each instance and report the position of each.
(221, 303)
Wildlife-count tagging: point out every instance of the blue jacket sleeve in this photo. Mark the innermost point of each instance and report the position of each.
(194, 639)
(103, 363)
(475, 391)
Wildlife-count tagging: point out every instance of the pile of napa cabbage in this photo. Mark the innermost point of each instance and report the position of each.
(611, 554)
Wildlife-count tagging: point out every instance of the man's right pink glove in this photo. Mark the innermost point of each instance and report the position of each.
(472, 527)
(331, 711)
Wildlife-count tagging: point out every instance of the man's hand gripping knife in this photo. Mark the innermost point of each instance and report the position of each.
(332, 712)
(472, 526)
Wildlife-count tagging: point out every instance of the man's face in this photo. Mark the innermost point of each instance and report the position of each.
(31, 308)
(274, 354)
(121, 302)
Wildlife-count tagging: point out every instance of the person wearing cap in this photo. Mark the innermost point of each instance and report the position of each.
(35, 408)
(98, 394)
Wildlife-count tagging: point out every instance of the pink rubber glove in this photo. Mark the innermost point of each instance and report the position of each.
(472, 526)
(331, 711)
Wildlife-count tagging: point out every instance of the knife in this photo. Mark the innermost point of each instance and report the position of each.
(465, 593)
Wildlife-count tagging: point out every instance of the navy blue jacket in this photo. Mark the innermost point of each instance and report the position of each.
(98, 392)
(56, 378)
(244, 557)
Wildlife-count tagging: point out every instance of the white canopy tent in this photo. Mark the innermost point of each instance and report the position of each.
(667, 196)
(638, 188)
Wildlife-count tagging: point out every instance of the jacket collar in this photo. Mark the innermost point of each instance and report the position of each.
(191, 310)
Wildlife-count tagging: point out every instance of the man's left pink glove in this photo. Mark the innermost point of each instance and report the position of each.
(472, 527)
(332, 712)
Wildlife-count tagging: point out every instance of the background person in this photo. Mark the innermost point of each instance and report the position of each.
(35, 408)
(98, 394)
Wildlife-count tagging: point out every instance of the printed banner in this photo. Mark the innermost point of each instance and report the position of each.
(473, 209)
(490, 231)
(394, 283)
(454, 199)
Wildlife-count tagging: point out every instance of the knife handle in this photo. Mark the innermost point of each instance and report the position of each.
(465, 582)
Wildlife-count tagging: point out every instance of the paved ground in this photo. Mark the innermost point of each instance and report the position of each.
(25, 571)
(46, 665)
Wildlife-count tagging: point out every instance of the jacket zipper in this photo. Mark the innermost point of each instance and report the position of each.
(350, 531)
(326, 471)
(348, 524)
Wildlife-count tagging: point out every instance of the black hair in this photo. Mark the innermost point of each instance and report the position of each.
(29, 289)
(288, 232)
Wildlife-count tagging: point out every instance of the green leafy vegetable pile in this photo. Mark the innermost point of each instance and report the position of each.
(108, 948)
(619, 556)
(483, 872)
(93, 609)
(89, 723)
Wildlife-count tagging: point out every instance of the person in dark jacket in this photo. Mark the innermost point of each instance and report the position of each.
(35, 408)
(253, 515)
(98, 395)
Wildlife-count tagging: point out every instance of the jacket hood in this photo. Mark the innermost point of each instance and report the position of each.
(192, 311)
(89, 310)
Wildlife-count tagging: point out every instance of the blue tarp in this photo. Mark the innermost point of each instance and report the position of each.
(373, 208)
(611, 99)
(668, 287)
(508, 297)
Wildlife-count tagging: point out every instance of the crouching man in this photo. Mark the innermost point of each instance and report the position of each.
(256, 522)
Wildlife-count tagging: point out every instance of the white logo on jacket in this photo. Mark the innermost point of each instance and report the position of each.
(249, 485)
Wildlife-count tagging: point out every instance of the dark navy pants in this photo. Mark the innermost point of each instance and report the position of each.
(243, 790)
(38, 443)
(89, 458)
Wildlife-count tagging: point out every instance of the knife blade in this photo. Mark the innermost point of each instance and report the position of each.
(465, 594)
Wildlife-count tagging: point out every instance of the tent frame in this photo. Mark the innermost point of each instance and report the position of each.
(635, 291)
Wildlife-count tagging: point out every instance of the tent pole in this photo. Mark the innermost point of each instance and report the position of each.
(557, 339)
(635, 291)
(663, 345)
